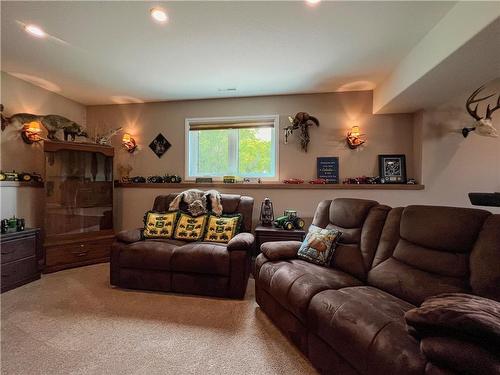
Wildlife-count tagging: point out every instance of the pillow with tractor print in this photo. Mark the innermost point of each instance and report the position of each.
(222, 228)
(159, 224)
(190, 228)
(319, 245)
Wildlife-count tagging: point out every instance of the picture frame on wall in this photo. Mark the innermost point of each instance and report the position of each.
(328, 169)
(392, 169)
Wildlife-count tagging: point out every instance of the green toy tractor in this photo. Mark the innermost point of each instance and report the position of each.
(289, 221)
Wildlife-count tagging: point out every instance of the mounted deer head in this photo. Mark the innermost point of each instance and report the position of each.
(483, 125)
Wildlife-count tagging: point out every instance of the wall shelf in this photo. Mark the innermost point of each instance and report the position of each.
(21, 184)
(269, 185)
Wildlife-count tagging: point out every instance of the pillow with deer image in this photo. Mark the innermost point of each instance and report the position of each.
(222, 228)
(190, 228)
(159, 225)
(319, 245)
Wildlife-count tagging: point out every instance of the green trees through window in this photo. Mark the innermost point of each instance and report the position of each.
(244, 152)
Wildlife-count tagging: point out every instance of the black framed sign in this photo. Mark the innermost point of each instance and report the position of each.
(392, 169)
(328, 169)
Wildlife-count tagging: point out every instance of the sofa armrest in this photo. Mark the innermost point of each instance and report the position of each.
(130, 236)
(280, 250)
(242, 241)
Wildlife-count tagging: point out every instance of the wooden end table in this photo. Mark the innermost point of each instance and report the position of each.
(273, 234)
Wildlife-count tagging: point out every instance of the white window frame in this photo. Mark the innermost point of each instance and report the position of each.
(220, 120)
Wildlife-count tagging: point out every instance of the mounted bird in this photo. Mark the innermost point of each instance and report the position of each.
(483, 125)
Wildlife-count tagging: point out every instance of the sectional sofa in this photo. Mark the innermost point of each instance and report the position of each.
(349, 318)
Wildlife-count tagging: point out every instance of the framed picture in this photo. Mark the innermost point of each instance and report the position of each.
(328, 169)
(392, 169)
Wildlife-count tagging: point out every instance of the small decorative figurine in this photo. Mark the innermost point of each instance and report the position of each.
(266, 213)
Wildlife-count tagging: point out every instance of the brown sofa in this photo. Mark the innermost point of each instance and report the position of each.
(349, 318)
(204, 268)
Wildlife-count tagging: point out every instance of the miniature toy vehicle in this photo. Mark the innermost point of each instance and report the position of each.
(318, 181)
(293, 181)
(155, 179)
(172, 179)
(9, 176)
(138, 180)
(289, 221)
(229, 179)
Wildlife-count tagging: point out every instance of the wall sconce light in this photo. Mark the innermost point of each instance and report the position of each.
(129, 143)
(31, 132)
(354, 139)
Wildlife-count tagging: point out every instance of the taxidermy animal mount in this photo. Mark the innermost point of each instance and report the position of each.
(483, 125)
(302, 121)
(52, 123)
(105, 139)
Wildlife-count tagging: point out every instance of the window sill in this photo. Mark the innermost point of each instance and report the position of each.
(270, 185)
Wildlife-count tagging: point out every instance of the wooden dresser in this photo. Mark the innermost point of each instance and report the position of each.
(20, 254)
(78, 204)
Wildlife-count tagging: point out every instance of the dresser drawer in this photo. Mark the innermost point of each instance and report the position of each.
(19, 272)
(77, 253)
(18, 249)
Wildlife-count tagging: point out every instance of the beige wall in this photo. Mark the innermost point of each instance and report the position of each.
(449, 165)
(20, 96)
(337, 113)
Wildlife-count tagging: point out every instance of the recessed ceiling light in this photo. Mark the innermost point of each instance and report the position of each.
(35, 31)
(159, 15)
(312, 2)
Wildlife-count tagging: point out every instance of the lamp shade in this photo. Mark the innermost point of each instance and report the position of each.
(33, 127)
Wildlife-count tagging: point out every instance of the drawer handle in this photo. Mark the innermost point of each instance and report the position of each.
(80, 253)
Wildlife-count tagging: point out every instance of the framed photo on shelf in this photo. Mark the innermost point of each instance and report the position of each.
(392, 169)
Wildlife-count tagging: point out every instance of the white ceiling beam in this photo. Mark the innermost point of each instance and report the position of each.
(461, 24)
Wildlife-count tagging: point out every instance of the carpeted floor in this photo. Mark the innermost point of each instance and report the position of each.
(73, 322)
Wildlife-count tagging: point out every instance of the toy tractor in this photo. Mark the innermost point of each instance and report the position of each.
(289, 221)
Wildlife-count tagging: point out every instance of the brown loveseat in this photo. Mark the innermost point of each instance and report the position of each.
(349, 318)
(211, 269)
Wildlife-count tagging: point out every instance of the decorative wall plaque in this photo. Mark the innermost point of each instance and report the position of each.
(159, 145)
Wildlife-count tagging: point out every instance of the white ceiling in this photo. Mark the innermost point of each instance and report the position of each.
(110, 52)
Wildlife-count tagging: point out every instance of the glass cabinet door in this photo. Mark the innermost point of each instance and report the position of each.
(79, 192)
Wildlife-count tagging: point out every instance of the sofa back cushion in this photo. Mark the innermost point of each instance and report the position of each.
(231, 204)
(426, 251)
(361, 222)
(485, 260)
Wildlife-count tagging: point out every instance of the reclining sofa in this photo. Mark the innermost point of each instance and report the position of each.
(206, 268)
(349, 318)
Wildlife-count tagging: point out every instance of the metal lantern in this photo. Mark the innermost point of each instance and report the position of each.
(266, 213)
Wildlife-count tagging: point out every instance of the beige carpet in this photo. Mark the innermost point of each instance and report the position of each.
(73, 322)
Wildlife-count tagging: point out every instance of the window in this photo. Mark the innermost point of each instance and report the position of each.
(233, 146)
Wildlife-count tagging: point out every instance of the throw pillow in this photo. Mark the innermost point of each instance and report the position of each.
(222, 228)
(190, 228)
(159, 224)
(319, 245)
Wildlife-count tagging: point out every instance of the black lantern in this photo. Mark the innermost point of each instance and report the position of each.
(266, 213)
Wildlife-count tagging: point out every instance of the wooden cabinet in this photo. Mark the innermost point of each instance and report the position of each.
(273, 234)
(79, 204)
(20, 254)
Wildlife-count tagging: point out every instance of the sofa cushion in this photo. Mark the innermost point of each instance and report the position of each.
(319, 245)
(366, 326)
(159, 224)
(222, 228)
(201, 257)
(361, 222)
(294, 282)
(428, 253)
(190, 228)
(149, 254)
